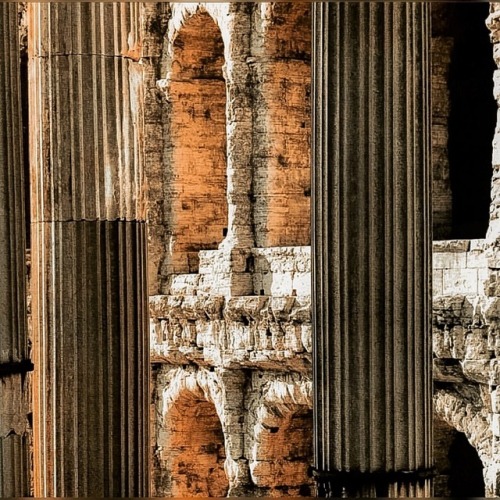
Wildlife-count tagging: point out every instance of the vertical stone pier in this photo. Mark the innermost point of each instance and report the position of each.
(371, 249)
(14, 352)
(90, 316)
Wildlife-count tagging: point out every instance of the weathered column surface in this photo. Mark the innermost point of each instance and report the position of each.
(89, 251)
(14, 353)
(372, 371)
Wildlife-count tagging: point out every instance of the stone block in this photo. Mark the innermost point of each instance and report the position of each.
(495, 424)
(495, 400)
(301, 283)
(494, 372)
(443, 371)
(450, 246)
(459, 281)
(281, 284)
(476, 245)
(476, 344)
(449, 260)
(477, 370)
(440, 343)
(476, 260)
(306, 337)
(457, 340)
(437, 282)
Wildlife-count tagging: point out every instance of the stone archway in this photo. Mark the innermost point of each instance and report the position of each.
(195, 449)
(280, 445)
(196, 179)
(462, 408)
(459, 470)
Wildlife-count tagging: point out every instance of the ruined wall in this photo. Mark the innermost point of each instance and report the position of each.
(230, 323)
(230, 317)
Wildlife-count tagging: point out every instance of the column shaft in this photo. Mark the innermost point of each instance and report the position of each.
(14, 353)
(371, 248)
(90, 314)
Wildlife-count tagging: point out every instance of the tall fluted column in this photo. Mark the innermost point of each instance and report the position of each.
(371, 249)
(89, 251)
(14, 353)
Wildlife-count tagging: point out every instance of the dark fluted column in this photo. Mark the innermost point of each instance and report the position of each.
(14, 353)
(89, 251)
(371, 249)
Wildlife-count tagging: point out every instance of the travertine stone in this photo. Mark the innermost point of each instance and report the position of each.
(88, 167)
(281, 152)
(90, 314)
(15, 463)
(371, 246)
(465, 408)
(199, 433)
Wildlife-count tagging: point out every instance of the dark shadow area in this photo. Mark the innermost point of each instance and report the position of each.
(466, 469)
(472, 118)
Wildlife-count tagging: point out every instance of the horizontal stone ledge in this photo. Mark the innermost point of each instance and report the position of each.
(286, 364)
(452, 245)
(238, 309)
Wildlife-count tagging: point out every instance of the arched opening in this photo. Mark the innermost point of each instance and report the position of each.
(281, 184)
(459, 470)
(283, 454)
(196, 184)
(193, 451)
(463, 119)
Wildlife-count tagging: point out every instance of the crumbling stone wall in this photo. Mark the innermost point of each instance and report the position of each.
(231, 322)
(281, 72)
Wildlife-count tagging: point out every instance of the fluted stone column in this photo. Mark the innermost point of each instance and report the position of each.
(89, 251)
(14, 353)
(371, 249)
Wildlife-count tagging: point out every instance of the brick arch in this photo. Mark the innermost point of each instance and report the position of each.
(192, 442)
(463, 408)
(280, 448)
(196, 176)
(282, 128)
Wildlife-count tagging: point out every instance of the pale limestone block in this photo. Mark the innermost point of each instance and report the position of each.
(306, 337)
(282, 284)
(459, 281)
(476, 245)
(476, 344)
(495, 400)
(440, 348)
(450, 246)
(437, 282)
(495, 424)
(476, 370)
(448, 260)
(476, 259)
(301, 283)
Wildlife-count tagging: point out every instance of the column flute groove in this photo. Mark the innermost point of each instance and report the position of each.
(371, 249)
(90, 314)
(14, 352)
